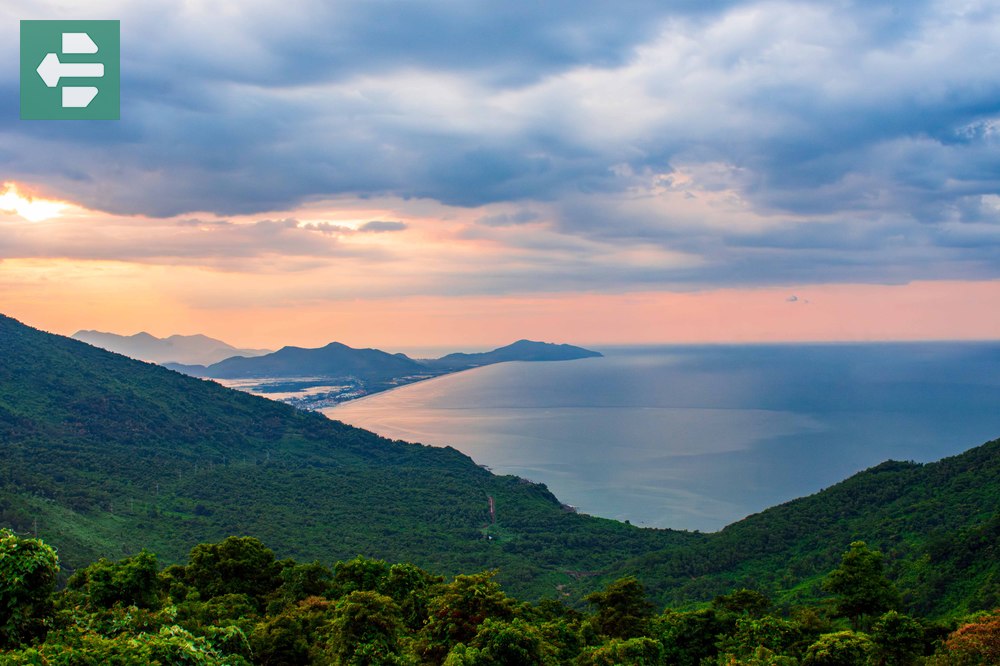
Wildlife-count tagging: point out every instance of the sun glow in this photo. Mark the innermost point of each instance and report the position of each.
(30, 208)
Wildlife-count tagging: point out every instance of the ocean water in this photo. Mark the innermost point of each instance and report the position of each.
(698, 437)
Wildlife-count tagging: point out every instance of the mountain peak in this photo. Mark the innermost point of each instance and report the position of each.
(332, 360)
(185, 349)
(522, 350)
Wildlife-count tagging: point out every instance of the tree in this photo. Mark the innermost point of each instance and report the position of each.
(760, 656)
(298, 582)
(504, 644)
(743, 600)
(774, 634)
(28, 569)
(689, 637)
(131, 581)
(361, 573)
(410, 587)
(898, 639)
(219, 609)
(236, 565)
(841, 648)
(622, 609)
(170, 645)
(365, 630)
(457, 612)
(977, 642)
(861, 584)
(641, 651)
(291, 636)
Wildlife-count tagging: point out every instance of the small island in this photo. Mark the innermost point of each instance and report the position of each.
(322, 377)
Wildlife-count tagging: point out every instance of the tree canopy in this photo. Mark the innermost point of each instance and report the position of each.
(233, 603)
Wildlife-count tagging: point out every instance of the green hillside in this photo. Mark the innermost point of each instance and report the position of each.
(938, 524)
(103, 455)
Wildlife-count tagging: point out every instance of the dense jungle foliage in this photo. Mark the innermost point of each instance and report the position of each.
(235, 603)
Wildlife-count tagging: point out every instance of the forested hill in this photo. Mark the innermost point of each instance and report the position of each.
(938, 523)
(103, 455)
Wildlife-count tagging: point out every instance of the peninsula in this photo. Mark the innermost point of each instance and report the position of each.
(325, 376)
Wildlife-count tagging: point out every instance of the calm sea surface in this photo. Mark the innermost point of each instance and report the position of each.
(698, 437)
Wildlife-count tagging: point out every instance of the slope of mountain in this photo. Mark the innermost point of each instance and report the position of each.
(938, 523)
(102, 455)
(522, 350)
(187, 349)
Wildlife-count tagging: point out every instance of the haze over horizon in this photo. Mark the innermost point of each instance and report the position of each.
(456, 176)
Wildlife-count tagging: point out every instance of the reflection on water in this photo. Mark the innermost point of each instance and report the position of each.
(697, 437)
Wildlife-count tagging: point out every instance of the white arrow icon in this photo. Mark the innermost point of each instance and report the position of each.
(78, 42)
(51, 70)
(78, 97)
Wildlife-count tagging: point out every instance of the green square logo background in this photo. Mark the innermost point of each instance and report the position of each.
(39, 38)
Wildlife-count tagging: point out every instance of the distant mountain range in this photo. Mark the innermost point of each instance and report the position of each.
(522, 350)
(187, 349)
(333, 360)
(374, 365)
(342, 373)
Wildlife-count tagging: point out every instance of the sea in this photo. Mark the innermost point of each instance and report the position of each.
(697, 437)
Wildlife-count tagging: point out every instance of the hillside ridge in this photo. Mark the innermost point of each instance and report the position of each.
(194, 349)
(104, 454)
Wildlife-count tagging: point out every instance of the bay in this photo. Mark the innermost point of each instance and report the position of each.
(696, 437)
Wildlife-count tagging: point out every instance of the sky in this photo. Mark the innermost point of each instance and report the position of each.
(458, 173)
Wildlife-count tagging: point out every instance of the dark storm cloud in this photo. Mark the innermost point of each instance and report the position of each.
(859, 140)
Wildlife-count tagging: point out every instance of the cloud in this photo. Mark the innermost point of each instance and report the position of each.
(327, 228)
(762, 141)
(381, 226)
(218, 243)
(522, 216)
(373, 226)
